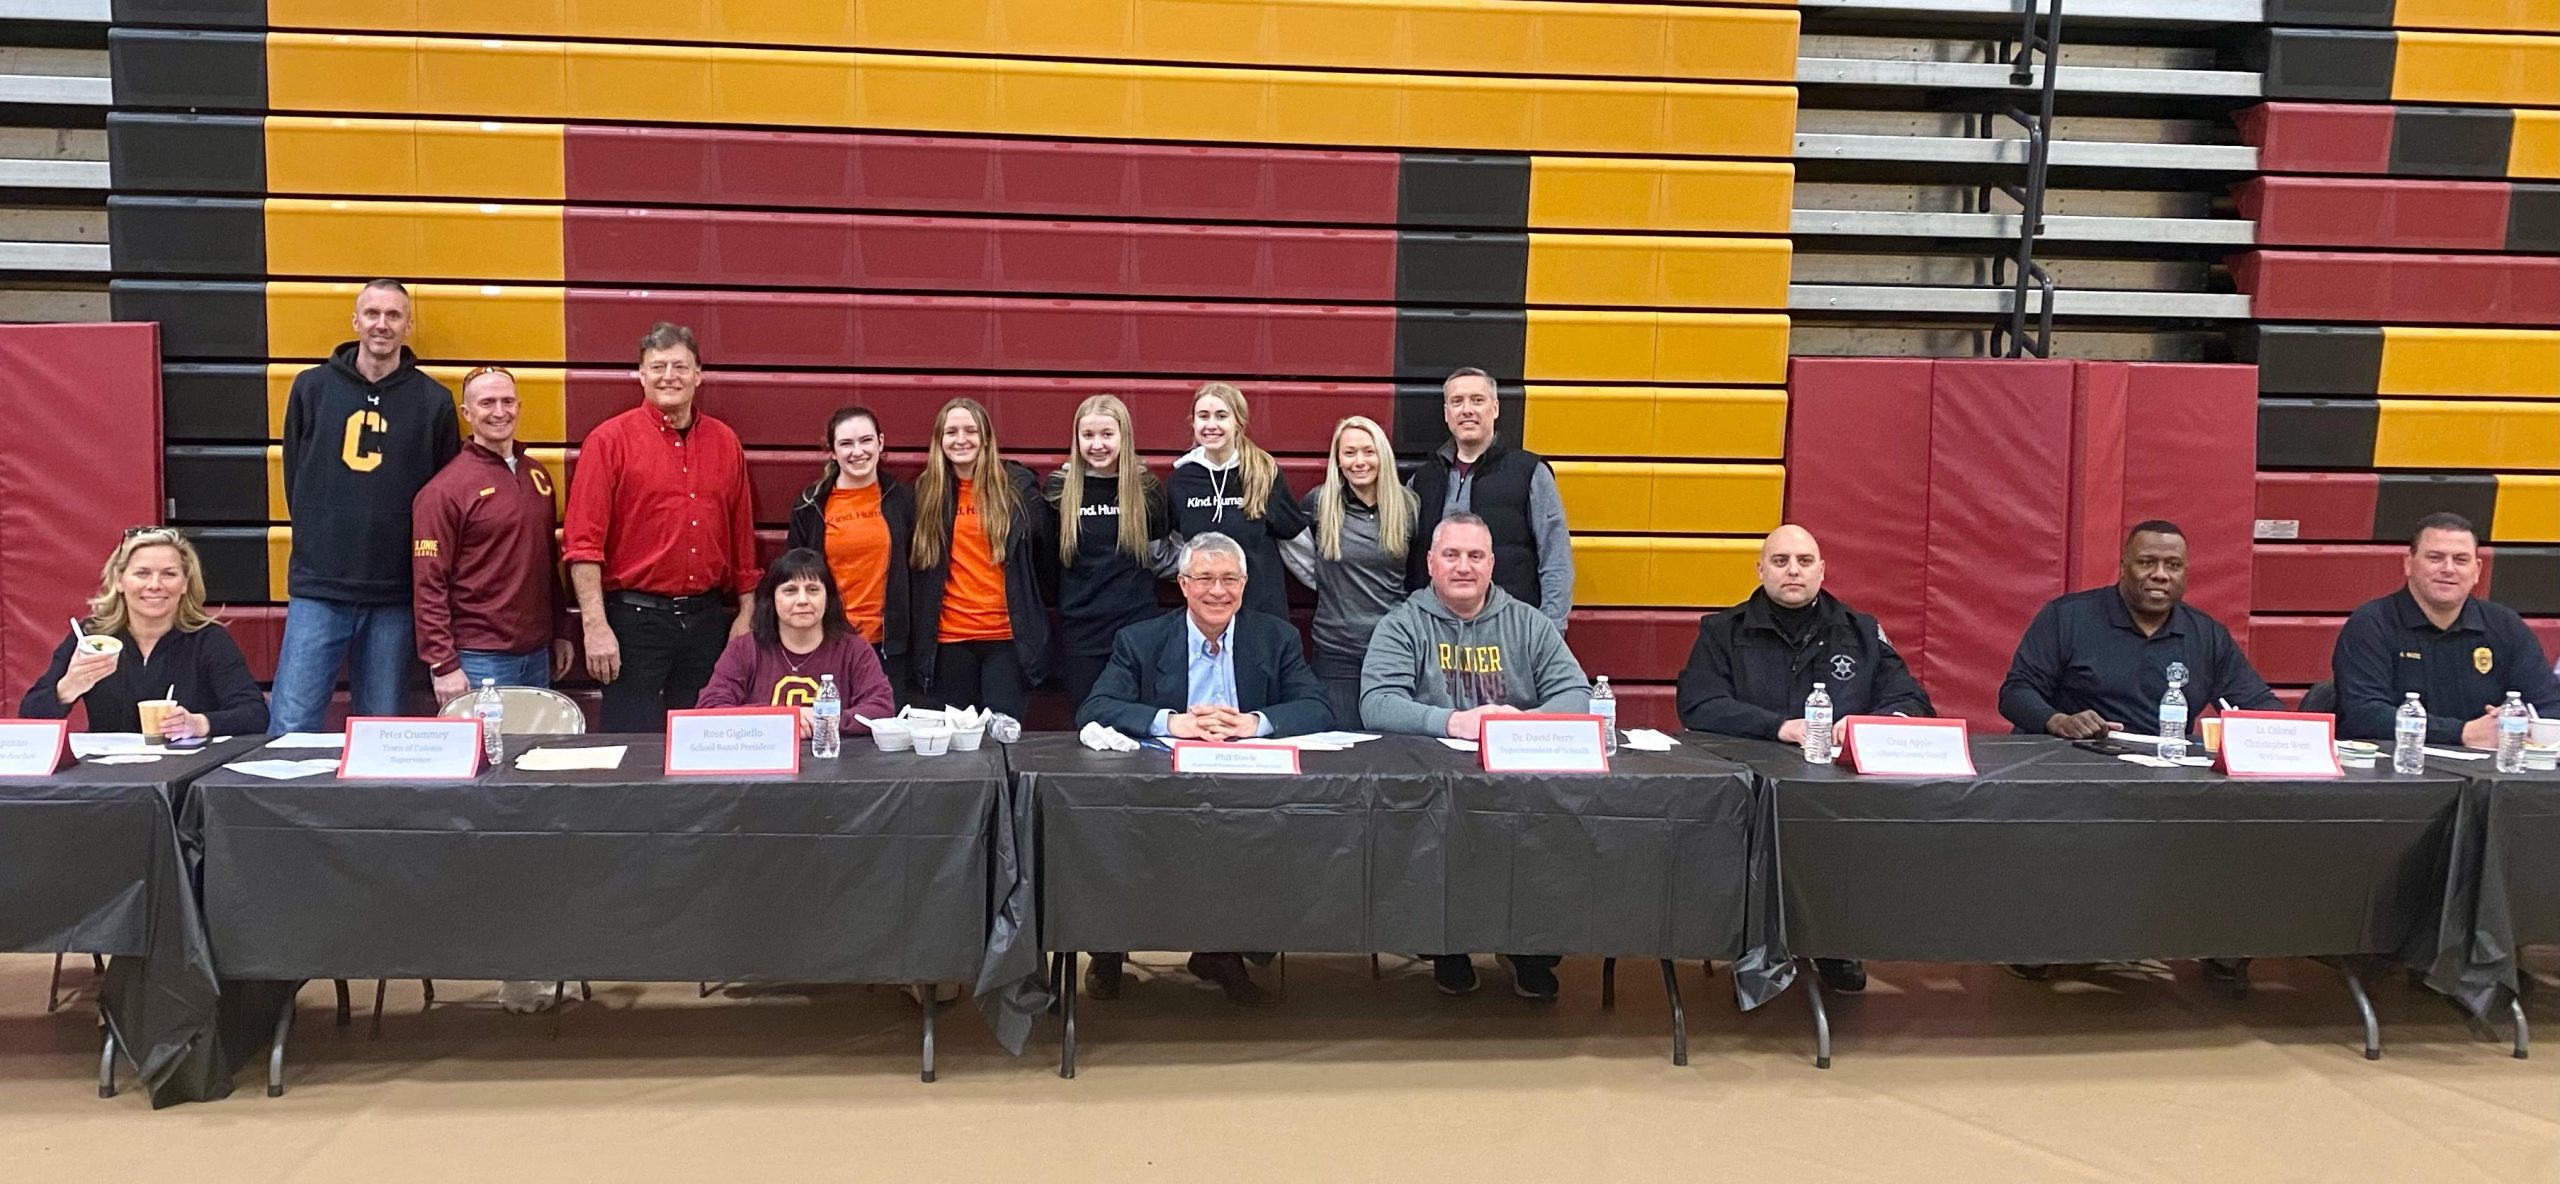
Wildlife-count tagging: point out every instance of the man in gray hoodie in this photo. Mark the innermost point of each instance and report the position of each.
(1454, 653)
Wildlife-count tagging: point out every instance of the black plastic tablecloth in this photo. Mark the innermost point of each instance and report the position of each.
(1399, 845)
(874, 867)
(90, 863)
(2056, 854)
(2502, 891)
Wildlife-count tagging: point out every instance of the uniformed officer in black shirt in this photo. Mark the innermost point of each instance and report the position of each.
(1754, 663)
(2099, 661)
(2461, 654)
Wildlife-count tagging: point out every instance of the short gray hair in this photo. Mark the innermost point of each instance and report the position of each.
(1458, 518)
(1211, 543)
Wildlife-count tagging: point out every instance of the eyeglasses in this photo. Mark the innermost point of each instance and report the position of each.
(134, 532)
(1222, 583)
(477, 371)
(663, 369)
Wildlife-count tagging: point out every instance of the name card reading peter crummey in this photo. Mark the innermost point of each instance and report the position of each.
(1252, 760)
(34, 747)
(1532, 743)
(1894, 746)
(733, 740)
(381, 748)
(2279, 744)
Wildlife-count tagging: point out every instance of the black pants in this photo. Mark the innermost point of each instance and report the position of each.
(666, 657)
(980, 674)
(1079, 672)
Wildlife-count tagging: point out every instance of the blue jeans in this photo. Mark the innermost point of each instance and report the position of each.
(529, 669)
(375, 643)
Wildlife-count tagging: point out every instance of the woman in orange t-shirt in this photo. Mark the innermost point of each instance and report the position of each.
(978, 631)
(863, 520)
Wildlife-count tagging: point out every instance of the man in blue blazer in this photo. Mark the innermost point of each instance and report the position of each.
(1208, 672)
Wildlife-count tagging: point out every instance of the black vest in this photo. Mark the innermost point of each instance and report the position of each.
(1500, 496)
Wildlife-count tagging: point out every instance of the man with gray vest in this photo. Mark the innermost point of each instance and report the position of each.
(1511, 489)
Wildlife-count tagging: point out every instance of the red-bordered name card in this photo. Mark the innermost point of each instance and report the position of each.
(2279, 744)
(1534, 743)
(398, 748)
(34, 747)
(1242, 757)
(1899, 746)
(733, 740)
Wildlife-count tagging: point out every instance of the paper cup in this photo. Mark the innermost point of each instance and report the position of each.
(2545, 732)
(933, 739)
(892, 736)
(153, 711)
(968, 739)
(2212, 727)
(101, 643)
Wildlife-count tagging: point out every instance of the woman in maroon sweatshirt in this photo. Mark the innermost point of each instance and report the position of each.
(800, 634)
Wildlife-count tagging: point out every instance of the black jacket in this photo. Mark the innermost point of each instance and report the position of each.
(898, 507)
(1744, 679)
(356, 453)
(206, 666)
(1106, 589)
(1150, 671)
(1199, 508)
(1501, 478)
(1030, 562)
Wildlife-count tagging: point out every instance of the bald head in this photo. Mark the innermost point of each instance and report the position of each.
(1791, 566)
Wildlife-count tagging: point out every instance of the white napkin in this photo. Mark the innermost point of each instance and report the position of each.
(1648, 740)
(553, 760)
(309, 740)
(1102, 739)
(92, 744)
(274, 770)
(123, 758)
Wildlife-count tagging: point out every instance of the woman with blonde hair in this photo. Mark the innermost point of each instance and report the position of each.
(150, 604)
(982, 568)
(1354, 557)
(1106, 575)
(1228, 484)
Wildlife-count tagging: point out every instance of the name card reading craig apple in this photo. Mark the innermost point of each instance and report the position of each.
(1892, 746)
(1542, 744)
(1257, 760)
(380, 748)
(733, 740)
(33, 747)
(2279, 744)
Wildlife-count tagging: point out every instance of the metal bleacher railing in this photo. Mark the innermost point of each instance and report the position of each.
(53, 171)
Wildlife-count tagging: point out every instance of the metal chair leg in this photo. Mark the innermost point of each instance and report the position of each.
(53, 987)
(1283, 965)
(428, 986)
(2524, 1033)
(375, 1033)
(1821, 1018)
(1608, 983)
(586, 991)
(346, 1004)
(1679, 1014)
(930, 1007)
(1067, 999)
(275, 1053)
(559, 997)
(106, 1061)
(1374, 972)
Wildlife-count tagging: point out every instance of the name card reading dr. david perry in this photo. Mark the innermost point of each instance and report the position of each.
(411, 749)
(733, 740)
(1542, 744)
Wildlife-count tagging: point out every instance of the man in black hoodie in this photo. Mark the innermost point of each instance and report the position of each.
(362, 434)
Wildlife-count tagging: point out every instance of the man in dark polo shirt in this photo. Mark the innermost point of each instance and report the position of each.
(2099, 661)
(1512, 489)
(2460, 654)
(660, 537)
(485, 567)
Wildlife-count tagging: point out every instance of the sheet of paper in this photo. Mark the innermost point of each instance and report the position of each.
(2148, 762)
(274, 770)
(1460, 745)
(2130, 738)
(2458, 754)
(89, 744)
(552, 760)
(1319, 741)
(123, 758)
(332, 740)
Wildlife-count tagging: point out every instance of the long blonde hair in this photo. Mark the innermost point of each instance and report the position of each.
(996, 498)
(107, 609)
(1130, 483)
(1257, 466)
(1395, 504)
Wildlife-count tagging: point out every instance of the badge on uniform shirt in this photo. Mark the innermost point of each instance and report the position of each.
(541, 482)
(2177, 674)
(1844, 667)
(2482, 660)
(486, 492)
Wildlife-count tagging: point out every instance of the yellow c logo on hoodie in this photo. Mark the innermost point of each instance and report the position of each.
(353, 451)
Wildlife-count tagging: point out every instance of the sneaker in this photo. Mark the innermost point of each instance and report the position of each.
(1102, 980)
(1534, 979)
(1845, 975)
(525, 997)
(942, 993)
(1455, 974)
(2034, 972)
(1227, 973)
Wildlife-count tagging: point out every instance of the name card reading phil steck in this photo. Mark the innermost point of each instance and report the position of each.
(2279, 744)
(1891, 746)
(733, 740)
(1264, 760)
(33, 747)
(1542, 744)
(381, 748)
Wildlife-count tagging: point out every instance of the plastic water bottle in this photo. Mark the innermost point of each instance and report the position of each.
(492, 710)
(1817, 726)
(826, 735)
(2173, 722)
(1002, 728)
(1604, 703)
(2409, 737)
(2512, 724)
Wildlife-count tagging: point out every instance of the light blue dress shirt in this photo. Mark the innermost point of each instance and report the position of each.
(1213, 676)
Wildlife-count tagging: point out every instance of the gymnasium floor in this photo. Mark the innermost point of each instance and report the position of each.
(1944, 1073)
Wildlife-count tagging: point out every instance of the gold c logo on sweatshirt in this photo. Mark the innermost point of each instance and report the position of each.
(353, 451)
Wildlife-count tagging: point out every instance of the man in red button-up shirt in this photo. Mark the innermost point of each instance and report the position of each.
(660, 536)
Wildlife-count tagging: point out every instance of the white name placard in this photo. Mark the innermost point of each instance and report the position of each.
(383, 748)
(34, 747)
(1893, 746)
(733, 740)
(1542, 744)
(2279, 744)
(1253, 760)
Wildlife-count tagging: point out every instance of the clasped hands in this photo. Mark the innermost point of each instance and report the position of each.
(1212, 721)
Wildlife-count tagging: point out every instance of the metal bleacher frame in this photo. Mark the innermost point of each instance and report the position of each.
(43, 276)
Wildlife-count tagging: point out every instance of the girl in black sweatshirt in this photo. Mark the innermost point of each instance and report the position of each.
(1107, 558)
(1228, 484)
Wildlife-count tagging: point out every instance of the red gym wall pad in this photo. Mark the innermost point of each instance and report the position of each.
(2400, 289)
